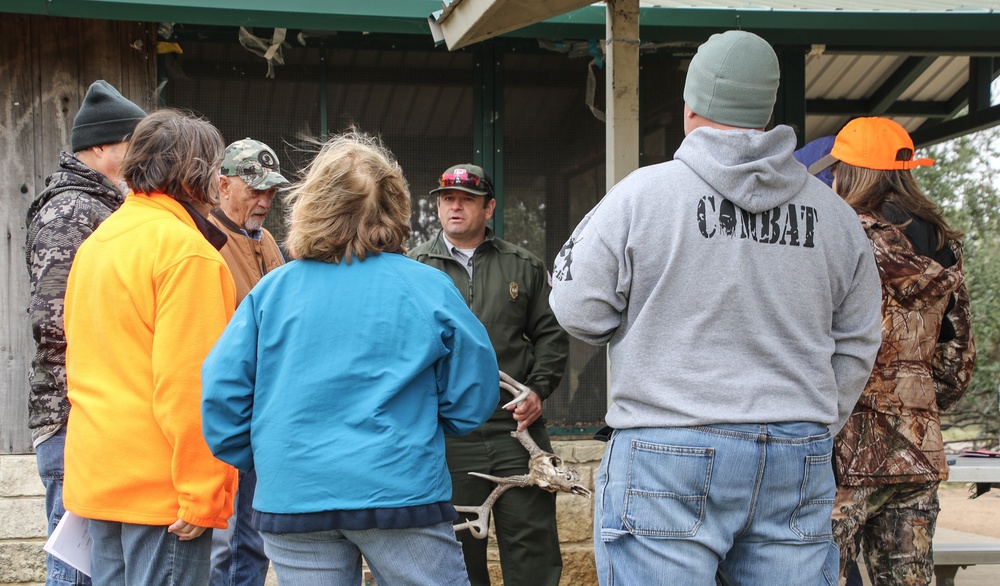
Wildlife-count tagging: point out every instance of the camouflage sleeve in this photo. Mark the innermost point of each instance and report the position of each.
(955, 359)
(52, 252)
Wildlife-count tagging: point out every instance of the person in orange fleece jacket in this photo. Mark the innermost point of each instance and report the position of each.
(147, 297)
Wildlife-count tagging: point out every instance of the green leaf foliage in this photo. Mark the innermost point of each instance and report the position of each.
(964, 182)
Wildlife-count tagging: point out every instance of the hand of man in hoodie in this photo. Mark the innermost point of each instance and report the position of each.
(528, 411)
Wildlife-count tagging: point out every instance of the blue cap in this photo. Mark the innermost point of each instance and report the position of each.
(815, 151)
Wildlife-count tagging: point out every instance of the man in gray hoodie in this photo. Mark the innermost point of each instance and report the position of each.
(740, 302)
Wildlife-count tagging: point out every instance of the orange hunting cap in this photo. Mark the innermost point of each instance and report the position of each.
(872, 143)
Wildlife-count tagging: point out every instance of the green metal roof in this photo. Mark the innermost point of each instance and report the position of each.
(386, 16)
(939, 26)
(943, 30)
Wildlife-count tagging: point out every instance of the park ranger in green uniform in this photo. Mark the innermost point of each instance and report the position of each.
(507, 288)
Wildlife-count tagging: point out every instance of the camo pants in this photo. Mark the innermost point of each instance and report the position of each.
(894, 524)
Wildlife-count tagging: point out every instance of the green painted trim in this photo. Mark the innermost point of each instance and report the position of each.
(959, 31)
(395, 16)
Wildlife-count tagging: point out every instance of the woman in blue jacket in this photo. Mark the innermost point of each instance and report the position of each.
(338, 378)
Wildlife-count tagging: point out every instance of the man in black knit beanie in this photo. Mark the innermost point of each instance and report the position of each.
(81, 194)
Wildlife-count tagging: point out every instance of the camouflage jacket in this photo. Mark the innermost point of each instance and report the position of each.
(75, 201)
(894, 434)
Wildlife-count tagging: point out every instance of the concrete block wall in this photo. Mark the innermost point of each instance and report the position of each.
(575, 516)
(22, 521)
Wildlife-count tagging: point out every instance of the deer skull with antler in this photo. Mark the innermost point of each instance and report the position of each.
(545, 470)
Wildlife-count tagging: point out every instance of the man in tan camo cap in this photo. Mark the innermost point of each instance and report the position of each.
(250, 179)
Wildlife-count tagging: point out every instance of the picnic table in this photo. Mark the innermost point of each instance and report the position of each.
(956, 549)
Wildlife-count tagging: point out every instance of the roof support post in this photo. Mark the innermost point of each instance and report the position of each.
(621, 130)
(324, 119)
(980, 79)
(488, 122)
(790, 108)
(622, 90)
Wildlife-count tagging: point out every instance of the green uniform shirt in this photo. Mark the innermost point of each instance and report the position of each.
(509, 293)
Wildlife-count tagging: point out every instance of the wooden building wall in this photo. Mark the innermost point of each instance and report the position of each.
(46, 66)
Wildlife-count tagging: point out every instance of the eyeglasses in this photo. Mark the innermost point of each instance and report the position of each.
(463, 179)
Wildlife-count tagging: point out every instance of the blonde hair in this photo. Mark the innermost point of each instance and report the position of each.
(353, 201)
(867, 190)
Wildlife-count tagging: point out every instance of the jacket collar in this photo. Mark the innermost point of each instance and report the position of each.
(74, 175)
(188, 214)
(217, 213)
(210, 231)
(440, 246)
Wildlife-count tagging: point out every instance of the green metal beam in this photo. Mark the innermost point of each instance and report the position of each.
(981, 120)
(900, 80)
(960, 101)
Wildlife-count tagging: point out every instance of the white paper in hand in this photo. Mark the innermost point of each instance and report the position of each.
(71, 542)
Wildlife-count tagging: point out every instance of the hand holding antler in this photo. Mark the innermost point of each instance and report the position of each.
(515, 388)
(545, 471)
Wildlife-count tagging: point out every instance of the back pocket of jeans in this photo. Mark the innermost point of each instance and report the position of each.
(667, 489)
(811, 519)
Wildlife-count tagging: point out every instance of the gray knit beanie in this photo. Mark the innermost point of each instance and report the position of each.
(105, 117)
(733, 80)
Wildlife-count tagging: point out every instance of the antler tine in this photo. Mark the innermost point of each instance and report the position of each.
(515, 388)
(529, 444)
(480, 526)
(545, 471)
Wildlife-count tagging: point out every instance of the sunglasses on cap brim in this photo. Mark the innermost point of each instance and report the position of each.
(464, 180)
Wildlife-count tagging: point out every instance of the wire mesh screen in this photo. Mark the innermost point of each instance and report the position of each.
(661, 95)
(553, 175)
(227, 84)
(419, 102)
(423, 104)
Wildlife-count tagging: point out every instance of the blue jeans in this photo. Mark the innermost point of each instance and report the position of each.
(419, 556)
(49, 455)
(125, 554)
(748, 502)
(238, 551)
